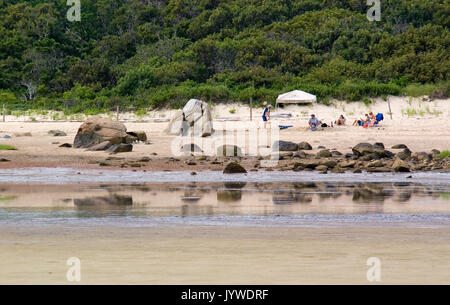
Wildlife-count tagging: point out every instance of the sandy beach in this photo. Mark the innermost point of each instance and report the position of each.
(307, 228)
(428, 129)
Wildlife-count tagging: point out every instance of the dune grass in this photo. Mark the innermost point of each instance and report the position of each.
(416, 90)
(7, 147)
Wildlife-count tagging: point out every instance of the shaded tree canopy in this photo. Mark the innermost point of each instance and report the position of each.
(154, 53)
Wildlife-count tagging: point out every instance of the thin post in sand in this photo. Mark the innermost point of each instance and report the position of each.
(389, 104)
(251, 109)
(4, 113)
(117, 113)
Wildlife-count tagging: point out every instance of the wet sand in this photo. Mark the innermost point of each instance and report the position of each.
(223, 255)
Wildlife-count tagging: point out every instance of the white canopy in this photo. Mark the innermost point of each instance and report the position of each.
(295, 97)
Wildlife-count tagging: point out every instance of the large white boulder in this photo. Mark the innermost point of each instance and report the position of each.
(195, 118)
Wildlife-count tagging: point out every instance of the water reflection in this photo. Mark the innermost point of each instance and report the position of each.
(237, 198)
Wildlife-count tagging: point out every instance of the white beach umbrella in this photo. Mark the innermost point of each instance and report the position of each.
(296, 96)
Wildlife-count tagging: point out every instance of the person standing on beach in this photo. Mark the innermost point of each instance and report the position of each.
(266, 115)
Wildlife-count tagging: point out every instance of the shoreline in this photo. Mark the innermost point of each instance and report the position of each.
(73, 175)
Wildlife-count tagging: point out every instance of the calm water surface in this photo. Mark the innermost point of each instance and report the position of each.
(43, 196)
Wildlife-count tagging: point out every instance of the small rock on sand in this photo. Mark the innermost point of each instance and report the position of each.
(120, 148)
(304, 146)
(234, 168)
(284, 146)
(399, 146)
(102, 146)
(57, 133)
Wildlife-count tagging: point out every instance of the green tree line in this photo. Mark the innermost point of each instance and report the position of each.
(157, 53)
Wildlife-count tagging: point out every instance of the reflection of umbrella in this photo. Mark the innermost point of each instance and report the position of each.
(295, 97)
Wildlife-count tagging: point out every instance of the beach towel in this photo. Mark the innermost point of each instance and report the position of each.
(284, 126)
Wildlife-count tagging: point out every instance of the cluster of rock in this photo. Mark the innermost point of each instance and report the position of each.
(98, 134)
(364, 156)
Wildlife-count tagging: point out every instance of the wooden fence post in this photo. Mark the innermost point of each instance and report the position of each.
(4, 113)
(251, 109)
(389, 104)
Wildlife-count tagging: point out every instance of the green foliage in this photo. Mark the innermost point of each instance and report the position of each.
(7, 147)
(138, 54)
(445, 154)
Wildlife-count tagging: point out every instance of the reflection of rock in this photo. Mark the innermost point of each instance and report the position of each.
(229, 195)
(288, 198)
(403, 196)
(234, 185)
(369, 193)
(301, 185)
(116, 200)
(232, 193)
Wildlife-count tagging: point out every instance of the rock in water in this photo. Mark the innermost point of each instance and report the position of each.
(66, 145)
(400, 166)
(57, 133)
(96, 130)
(121, 148)
(304, 146)
(284, 146)
(229, 151)
(234, 168)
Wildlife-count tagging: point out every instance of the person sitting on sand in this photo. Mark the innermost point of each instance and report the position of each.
(313, 122)
(340, 121)
(266, 114)
(361, 122)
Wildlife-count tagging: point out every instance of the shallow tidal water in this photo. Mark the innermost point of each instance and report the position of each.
(45, 196)
(259, 228)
